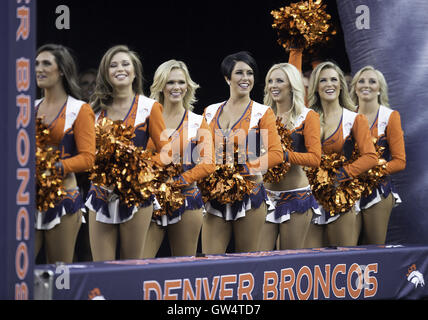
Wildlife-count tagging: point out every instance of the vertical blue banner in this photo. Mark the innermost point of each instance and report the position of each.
(17, 142)
(391, 36)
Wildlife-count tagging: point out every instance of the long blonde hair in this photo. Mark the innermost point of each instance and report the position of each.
(297, 91)
(383, 86)
(103, 93)
(314, 101)
(161, 76)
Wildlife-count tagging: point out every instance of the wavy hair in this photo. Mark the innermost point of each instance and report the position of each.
(383, 86)
(66, 65)
(103, 93)
(161, 76)
(297, 90)
(314, 101)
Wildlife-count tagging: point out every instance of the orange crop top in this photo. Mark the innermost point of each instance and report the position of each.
(387, 128)
(352, 127)
(145, 115)
(306, 140)
(255, 117)
(73, 132)
(192, 132)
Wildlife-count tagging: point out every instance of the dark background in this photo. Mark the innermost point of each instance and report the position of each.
(200, 33)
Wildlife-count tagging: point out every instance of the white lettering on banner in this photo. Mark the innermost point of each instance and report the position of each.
(307, 282)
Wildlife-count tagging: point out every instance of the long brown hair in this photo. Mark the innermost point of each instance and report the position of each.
(103, 93)
(66, 65)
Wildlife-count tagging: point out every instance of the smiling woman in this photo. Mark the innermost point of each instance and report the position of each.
(232, 122)
(341, 128)
(175, 90)
(118, 96)
(369, 91)
(71, 130)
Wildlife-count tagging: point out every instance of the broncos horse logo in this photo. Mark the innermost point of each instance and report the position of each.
(415, 277)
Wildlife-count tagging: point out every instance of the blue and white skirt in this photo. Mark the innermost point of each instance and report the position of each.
(237, 209)
(382, 191)
(69, 203)
(193, 201)
(108, 209)
(284, 203)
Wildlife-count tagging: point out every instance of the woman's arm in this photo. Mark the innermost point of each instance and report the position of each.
(272, 140)
(205, 148)
(158, 134)
(311, 133)
(84, 135)
(395, 138)
(368, 158)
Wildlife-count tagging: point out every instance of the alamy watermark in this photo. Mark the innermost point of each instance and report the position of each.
(62, 281)
(363, 20)
(63, 20)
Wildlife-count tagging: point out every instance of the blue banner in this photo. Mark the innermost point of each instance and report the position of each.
(391, 36)
(372, 272)
(17, 87)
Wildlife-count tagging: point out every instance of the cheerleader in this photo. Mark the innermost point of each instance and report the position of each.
(369, 91)
(72, 131)
(341, 127)
(118, 96)
(231, 122)
(189, 132)
(294, 204)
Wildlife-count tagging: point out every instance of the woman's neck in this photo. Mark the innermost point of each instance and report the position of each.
(284, 107)
(123, 97)
(55, 95)
(171, 109)
(368, 107)
(330, 107)
(237, 104)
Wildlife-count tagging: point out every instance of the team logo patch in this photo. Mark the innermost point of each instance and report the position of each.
(415, 277)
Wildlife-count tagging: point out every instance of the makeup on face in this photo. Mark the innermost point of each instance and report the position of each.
(367, 86)
(242, 78)
(47, 71)
(329, 85)
(279, 85)
(121, 70)
(176, 86)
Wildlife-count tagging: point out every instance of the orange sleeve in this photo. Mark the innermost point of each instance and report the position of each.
(84, 135)
(311, 133)
(157, 133)
(368, 158)
(205, 147)
(395, 138)
(295, 58)
(274, 154)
